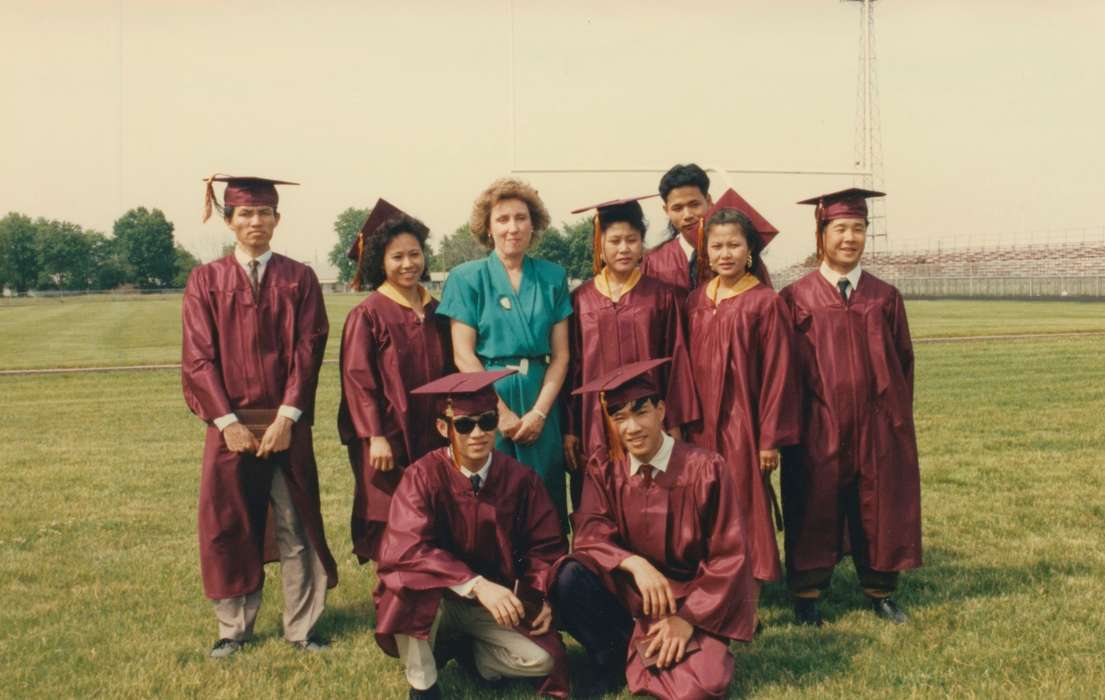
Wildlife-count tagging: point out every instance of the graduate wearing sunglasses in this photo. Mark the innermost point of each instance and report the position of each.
(471, 534)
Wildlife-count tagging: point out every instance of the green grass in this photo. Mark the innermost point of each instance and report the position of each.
(146, 330)
(100, 577)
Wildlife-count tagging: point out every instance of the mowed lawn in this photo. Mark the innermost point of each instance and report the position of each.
(82, 332)
(100, 578)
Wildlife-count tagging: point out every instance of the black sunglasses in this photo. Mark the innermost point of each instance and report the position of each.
(487, 421)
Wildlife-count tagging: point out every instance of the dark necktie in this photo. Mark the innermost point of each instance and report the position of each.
(646, 474)
(254, 280)
(693, 267)
(842, 284)
(475, 479)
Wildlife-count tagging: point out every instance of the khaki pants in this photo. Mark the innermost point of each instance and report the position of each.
(499, 651)
(301, 571)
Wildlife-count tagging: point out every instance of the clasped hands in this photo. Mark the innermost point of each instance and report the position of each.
(277, 438)
(508, 610)
(524, 430)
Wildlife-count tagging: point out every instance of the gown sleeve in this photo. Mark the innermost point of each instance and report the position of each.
(311, 332)
(360, 376)
(200, 370)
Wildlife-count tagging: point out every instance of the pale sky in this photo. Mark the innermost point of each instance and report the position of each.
(992, 113)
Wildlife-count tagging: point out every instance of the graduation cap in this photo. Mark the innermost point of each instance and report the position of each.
(731, 200)
(613, 211)
(845, 204)
(382, 212)
(465, 394)
(627, 383)
(242, 191)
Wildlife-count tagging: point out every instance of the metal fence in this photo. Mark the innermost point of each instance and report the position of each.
(1019, 287)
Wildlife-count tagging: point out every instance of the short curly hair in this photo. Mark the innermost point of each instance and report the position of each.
(503, 189)
(372, 261)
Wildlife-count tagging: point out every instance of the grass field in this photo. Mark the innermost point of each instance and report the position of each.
(99, 564)
(146, 330)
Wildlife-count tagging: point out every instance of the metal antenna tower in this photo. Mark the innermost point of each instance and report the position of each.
(868, 136)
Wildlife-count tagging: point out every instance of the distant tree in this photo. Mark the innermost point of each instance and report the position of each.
(19, 263)
(456, 248)
(579, 236)
(185, 261)
(145, 238)
(109, 270)
(64, 255)
(552, 246)
(347, 225)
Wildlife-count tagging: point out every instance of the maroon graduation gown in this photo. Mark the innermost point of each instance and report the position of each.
(856, 373)
(668, 263)
(646, 323)
(241, 354)
(440, 534)
(386, 351)
(744, 373)
(687, 524)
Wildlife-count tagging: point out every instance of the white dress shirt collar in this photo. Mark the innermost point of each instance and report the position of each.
(687, 246)
(244, 259)
(833, 277)
(659, 461)
(482, 473)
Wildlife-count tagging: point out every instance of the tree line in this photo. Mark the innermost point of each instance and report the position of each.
(44, 254)
(568, 245)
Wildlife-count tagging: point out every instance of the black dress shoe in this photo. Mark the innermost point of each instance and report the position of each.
(805, 610)
(431, 693)
(225, 647)
(312, 645)
(888, 610)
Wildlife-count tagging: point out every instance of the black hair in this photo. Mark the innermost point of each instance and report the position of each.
(372, 261)
(747, 228)
(630, 213)
(689, 175)
(637, 404)
(228, 212)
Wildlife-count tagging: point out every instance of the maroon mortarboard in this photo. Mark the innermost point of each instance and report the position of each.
(466, 393)
(614, 210)
(845, 204)
(242, 191)
(627, 383)
(731, 200)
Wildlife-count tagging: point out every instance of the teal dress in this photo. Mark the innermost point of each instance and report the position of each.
(512, 330)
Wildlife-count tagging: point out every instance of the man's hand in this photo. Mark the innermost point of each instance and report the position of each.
(277, 438)
(669, 638)
(573, 456)
(379, 453)
(543, 621)
(238, 439)
(529, 428)
(657, 598)
(503, 605)
(769, 460)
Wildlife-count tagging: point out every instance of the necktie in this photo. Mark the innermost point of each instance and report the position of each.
(842, 284)
(694, 267)
(646, 474)
(254, 280)
(475, 479)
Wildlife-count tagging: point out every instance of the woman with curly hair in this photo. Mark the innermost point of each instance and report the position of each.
(393, 341)
(509, 310)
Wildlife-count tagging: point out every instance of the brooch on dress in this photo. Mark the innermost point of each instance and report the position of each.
(505, 303)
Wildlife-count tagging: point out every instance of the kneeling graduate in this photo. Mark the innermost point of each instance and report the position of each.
(659, 579)
(471, 536)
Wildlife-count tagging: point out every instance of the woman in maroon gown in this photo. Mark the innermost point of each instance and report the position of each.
(393, 342)
(620, 317)
(741, 333)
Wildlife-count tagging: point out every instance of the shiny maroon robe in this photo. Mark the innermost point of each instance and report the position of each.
(856, 374)
(241, 354)
(646, 323)
(386, 351)
(440, 534)
(668, 263)
(687, 524)
(744, 372)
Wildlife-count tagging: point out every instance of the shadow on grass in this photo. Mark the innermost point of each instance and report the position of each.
(347, 621)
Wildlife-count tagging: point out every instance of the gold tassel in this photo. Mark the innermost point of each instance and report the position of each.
(817, 228)
(596, 247)
(358, 281)
(612, 438)
(209, 198)
(700, 252)
(452, 435)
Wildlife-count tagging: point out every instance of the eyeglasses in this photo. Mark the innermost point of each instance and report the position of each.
(487, 421)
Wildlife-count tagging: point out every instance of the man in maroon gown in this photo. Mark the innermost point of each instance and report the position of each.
(254, 330)
(463, 562)
(659, 580)
(686, 193)
(853, 483)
